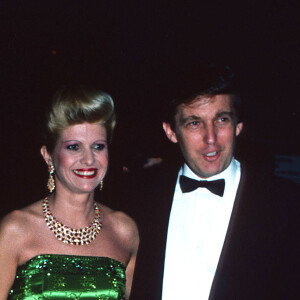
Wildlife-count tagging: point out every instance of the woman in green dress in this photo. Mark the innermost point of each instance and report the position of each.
(67, 245)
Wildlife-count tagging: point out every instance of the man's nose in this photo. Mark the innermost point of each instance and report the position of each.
(210, 135)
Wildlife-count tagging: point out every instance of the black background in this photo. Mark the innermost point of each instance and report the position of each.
(132, 49)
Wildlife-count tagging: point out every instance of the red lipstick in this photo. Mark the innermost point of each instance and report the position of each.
(86, 173)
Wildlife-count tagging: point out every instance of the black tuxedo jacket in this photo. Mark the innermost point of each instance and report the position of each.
(260, 256)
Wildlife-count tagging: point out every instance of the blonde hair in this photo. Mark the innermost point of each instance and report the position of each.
(77, 105)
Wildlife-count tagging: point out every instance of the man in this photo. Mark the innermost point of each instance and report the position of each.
(210, 229)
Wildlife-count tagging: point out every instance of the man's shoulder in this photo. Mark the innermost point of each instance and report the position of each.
(158, 173)
(145, 188)
(260, 185)
(264, 176)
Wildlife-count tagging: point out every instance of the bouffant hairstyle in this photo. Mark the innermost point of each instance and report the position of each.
(77, 105)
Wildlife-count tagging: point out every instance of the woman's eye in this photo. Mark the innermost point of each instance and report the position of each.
(99, 146)
(73, 147)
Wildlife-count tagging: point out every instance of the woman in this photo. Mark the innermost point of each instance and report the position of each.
(67, 246)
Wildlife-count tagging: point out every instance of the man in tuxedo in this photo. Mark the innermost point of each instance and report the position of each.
(213, 228)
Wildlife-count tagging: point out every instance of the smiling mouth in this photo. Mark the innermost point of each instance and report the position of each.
(211, 153)
(86, 173)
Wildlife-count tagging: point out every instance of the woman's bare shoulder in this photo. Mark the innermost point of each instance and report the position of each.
(118, 217)
(16, 222)
(15, 232)
(123, 224)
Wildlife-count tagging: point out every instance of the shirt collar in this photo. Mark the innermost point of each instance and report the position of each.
(227, 174)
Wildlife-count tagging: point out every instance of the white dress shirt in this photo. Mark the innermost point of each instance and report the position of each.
(197, 227)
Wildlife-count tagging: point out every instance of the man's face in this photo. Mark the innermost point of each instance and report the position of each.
(205, 130)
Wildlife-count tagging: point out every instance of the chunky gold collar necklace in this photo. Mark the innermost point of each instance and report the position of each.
(67, 235)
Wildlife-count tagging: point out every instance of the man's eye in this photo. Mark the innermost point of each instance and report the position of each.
(99, 146)
(194, 123)
(73, 147)
(224, 120)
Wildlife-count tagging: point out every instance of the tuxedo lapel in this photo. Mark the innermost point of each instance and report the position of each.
(220, 283)
(153, 226)
(246, 254)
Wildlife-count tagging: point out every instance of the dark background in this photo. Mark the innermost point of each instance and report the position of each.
(133, 50)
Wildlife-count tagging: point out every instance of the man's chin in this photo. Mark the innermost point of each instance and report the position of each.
(208, 172)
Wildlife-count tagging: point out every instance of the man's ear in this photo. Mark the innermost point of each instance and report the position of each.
(47, 157)
(238, 128)
(171, 135)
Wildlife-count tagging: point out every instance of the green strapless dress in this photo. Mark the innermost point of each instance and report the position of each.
(55, 276)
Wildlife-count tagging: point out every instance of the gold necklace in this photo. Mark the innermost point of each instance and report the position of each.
(71, 236)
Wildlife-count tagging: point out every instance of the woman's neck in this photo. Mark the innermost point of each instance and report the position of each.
(74, 210)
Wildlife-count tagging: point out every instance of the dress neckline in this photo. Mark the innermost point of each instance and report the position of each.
(49, 255)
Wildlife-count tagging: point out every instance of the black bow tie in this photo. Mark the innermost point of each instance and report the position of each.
(215, 186)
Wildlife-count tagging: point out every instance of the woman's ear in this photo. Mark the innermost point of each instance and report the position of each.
(46, 155)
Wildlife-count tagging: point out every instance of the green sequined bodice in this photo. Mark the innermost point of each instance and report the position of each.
(54, 276)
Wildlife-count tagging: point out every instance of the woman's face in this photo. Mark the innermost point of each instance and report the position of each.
(80, 158)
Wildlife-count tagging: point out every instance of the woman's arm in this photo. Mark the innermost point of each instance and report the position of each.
(122, 229)
(131, 265)
(10, 234)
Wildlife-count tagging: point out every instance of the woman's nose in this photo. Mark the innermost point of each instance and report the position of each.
(88, 157)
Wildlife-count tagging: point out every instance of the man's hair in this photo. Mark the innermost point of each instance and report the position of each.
(209, 82)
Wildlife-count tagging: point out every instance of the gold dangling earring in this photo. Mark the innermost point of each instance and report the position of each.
(101, 185)
(51, 182)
